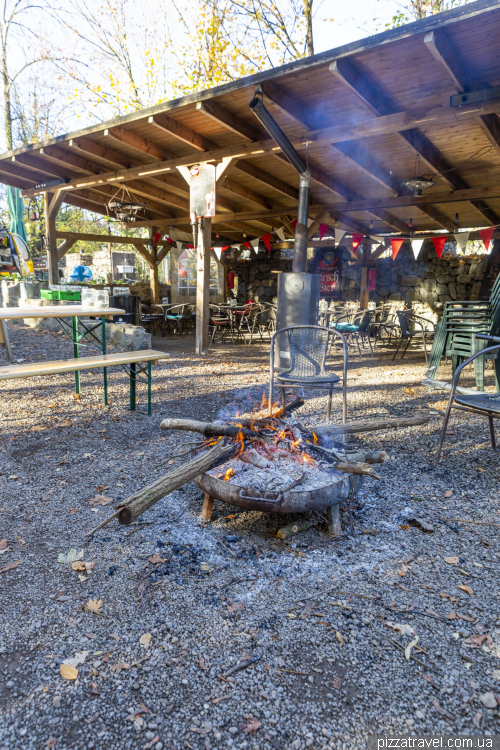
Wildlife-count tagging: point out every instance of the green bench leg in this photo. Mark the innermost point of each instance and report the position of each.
(76, 353)
(105, 369)
(149, 388)
(132, 386)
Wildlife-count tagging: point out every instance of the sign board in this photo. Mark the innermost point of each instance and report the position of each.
(202, 180)
(329, 266)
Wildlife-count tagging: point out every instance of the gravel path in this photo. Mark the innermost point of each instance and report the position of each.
(164, 610)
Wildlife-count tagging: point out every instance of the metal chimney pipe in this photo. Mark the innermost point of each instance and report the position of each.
(300, 245)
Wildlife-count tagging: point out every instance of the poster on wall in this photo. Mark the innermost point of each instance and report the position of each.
(329, 265)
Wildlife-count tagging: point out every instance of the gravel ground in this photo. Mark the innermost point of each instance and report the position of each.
(171, 606)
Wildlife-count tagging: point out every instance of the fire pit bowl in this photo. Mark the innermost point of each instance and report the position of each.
(286, 501)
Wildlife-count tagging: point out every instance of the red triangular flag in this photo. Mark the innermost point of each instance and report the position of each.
(438, 243)
(485, 235)
(247, 244)
(356, 239)
(322, 230)
(396, 247)
(294, 223)
(157, 238)
(266, 239)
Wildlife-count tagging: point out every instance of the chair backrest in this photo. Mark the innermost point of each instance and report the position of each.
(308, 350)
(364, 320)
(404, 323)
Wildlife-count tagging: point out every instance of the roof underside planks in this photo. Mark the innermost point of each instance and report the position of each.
(369, 109)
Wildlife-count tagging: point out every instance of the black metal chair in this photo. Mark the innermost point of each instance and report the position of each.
(260, 323)
(308, 347)
(218, 322)
(384, 323)
(407, 333)
(177, 316)
(153, 318)
(476, 402)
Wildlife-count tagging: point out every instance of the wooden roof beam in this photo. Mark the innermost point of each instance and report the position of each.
(176, 129)
(225, 117)
(381, 104)
(267, 179)
(114, 158)
(138, 143)
(58, 155)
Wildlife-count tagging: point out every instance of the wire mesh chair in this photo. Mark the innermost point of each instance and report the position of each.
(177, 317)
(153, 318)
(476, 402)
(218, 322)
(308, 346)
(260, 324)
(406, 317)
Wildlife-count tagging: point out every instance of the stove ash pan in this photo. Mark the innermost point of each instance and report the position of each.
(287, 501)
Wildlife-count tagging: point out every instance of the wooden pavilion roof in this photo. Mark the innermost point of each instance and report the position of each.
(367, 110)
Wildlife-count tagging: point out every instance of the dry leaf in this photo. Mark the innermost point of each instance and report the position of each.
(251, 727)
(156, 558)
(291, 616)
(3, 543)
(402, 573)
(202, 664)
(410, 646)
(51, 742)
(94, 605)
(94, 689)
(339, 637)
(71, 556)
(441, 710)
(448, 493)
(145, 639)
(235, 606)
(102, 487)
(68, 672)
(467, 589)
(118, 667)
(66, 423)
(336, 683)
(100, 500)
(77, 659)
(451, 616)
(410, 391)
(401, 627)
(477, 720)
(452, 560)
(115, 637)
(10, 566)
(79, 565)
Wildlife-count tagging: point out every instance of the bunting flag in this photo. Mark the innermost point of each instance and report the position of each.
(339, 235)
(323, 229)
(396, 246)
(377, 240)
(247, 244)
(309, 222)
(486, 235)
(157, 238)
(416, 246)
(266, 239)
(462, 239)
(438, 243)
(255, 245)
(294, 223)
(218, 252)
(356, 239)
(281, 234)
(178, 246)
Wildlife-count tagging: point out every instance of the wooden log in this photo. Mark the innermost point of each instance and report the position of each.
(368, 457)
(288, 408)
(369, 425)
(356, 468)
(140, 501)
(294, 528)
(208, 506)
(334, 520)
(206, 428)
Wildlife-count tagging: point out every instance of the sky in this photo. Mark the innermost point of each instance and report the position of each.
(352, 20)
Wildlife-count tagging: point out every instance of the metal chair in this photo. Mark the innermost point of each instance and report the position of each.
(260, 323)
(308, 346)
(476, 402)
(152, 318)
(218, 322)
(384, 323)
(407, 334)
(177, 316)
(358, 328)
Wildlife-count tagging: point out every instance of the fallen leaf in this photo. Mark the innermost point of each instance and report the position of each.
(448, 493)
(467, 589)
(94, 689)
(477, 720)
(401, 627)
(3, 543)
(145, 639)
(440, 710)
(156, 558)
(94, 605)
(202, 664)
(402, 573)
(100, 500)
(72, 556)
(68, 672)
(119, 666)
(153, 742)
(77, 660)
(50, 742)
(235, 606)
(336, 683)
(452, 560)
(93, 718)
(66, 423)
(115, 637)
(451, 616)
(444, 595)
(10, 566)
(339, 637)
(291, 616)
(79, 565)
(251, 727)
(410, 391)
(102, 487)
(410, 646)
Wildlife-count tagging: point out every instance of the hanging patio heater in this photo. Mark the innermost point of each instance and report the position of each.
(125, 208)
(418, 183)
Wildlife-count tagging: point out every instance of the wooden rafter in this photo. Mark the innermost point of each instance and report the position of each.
(138, 143)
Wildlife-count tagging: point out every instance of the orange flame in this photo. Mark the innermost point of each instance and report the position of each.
(315, 438)
(263, 403)
(229, 473)
(308, 459)
(239, 439)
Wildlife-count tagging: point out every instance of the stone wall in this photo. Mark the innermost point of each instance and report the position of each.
(256, 279)
(100, 264)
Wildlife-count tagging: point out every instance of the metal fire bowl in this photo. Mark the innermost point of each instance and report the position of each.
(291, 501)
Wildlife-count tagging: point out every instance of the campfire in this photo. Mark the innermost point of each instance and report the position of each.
(269, 463)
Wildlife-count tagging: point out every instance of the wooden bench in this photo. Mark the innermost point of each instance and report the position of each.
(128, 360)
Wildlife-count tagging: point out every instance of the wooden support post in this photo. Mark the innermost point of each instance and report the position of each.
(52, 201)
(334, 522)
(154, 282)
(363, 293)
(204, 240)
(208, 506)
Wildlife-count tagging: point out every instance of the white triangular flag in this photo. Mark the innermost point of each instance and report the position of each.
(462, 238)
(178, 245)
(218, 252)
(339, 233)
(309, 222)
(377, 240)
(416, 246)
(255, 244)
(281, 234)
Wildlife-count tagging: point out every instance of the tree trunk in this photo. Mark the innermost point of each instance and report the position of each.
(309, 30)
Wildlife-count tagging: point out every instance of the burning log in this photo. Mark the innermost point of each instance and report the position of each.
(370, 425)
(209, 429)
(138, 503)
